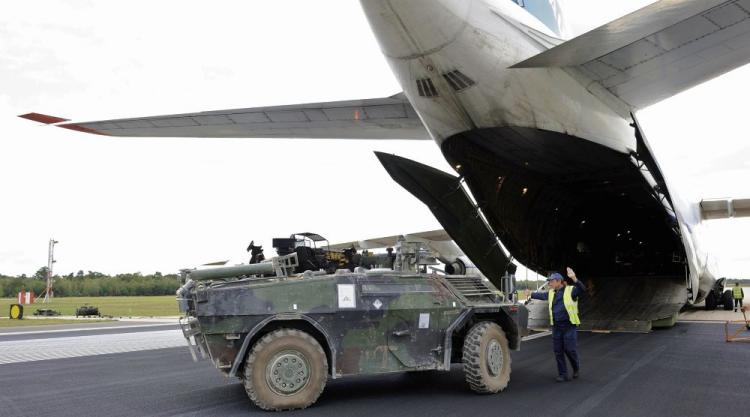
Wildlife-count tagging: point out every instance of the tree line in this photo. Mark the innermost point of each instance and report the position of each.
(97, 284)
(91, 284)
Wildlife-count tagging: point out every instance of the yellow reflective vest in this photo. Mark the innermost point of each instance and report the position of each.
(737, 292)
(571, 305)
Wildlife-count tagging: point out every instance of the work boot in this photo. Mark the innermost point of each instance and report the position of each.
(562, 378)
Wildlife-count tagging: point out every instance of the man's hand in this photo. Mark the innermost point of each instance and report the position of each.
(572, 274)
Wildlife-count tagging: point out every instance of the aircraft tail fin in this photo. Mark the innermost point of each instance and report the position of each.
(658, 51)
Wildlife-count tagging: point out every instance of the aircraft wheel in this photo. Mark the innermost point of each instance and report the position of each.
(728, 299)
(287, 369)
(486, 358)
(711, 300)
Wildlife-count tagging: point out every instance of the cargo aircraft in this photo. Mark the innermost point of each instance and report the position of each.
(552, 167)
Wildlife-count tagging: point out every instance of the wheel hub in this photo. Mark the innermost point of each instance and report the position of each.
(288, 372)
(494, 358)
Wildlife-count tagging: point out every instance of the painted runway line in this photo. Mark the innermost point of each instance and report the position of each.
(31, 350)
(84, 329)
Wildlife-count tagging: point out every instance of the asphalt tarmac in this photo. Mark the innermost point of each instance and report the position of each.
(685, 371)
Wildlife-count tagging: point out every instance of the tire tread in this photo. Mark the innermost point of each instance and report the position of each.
(472, 358)
(252, 358)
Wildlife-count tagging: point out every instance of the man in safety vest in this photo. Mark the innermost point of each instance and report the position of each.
(563, 315)
(738, 295)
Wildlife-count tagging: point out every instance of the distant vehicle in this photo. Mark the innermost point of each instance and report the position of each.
(47, 312)
(88, 311)
(286, 325)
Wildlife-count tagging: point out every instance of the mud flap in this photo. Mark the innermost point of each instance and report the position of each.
(452, 207)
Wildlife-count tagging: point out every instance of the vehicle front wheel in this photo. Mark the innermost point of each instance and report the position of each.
(287, 369)
(486, 358)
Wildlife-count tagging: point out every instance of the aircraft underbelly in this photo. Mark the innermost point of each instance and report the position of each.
(466, 68)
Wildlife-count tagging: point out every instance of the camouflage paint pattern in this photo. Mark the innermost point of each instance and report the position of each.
(395, 322)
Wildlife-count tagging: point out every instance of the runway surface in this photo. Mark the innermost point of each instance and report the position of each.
(46, 332)
(685, 371)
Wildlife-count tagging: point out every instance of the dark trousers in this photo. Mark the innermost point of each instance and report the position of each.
(565, 342)
(737, 302)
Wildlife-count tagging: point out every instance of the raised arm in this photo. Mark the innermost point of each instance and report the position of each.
(579, 287)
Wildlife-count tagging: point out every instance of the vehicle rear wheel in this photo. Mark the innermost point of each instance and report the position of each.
(728, 299)
(711, 300)
(486, 358)
(287, 369)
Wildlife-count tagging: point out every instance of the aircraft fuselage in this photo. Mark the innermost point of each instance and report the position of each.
(554, 168)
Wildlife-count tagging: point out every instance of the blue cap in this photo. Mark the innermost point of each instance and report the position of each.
(555, 275)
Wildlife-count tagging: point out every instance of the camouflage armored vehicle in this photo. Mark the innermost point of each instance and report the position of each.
(284, 326)
(87, 311)
(47, 312)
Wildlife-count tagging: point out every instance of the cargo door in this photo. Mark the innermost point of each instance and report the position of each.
(453, 208)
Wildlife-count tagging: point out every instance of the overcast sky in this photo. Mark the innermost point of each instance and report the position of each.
(125, 205)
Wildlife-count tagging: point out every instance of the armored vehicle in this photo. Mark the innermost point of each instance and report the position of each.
(286, 325)
(87, 311)
(46, 312)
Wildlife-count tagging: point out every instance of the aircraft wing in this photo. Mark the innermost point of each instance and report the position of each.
(725, 208)
(383, 118)
(658, 51)
(390, 241)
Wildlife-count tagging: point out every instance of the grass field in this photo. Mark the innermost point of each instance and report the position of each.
(146, 306)
(42, 322)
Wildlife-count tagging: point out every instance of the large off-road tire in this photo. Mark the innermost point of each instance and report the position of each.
(728, 299)
(486, 358)
(287, 369)
(711, 300)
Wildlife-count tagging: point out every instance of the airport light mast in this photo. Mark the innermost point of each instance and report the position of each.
(48, 293)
